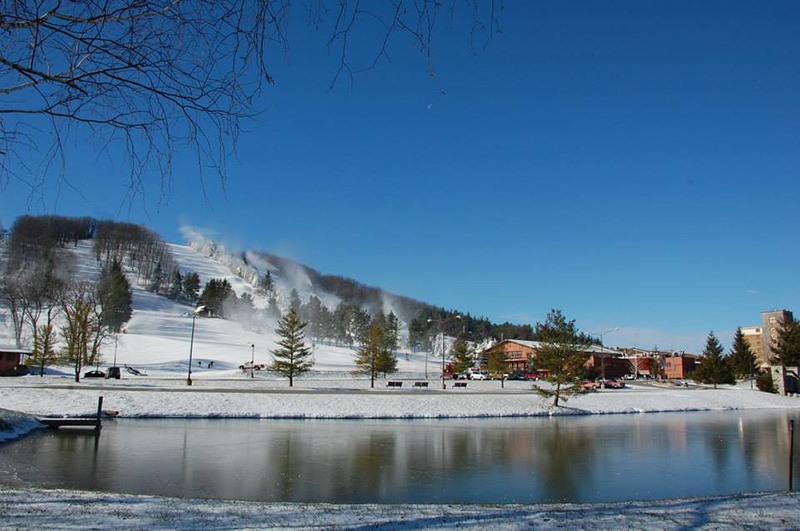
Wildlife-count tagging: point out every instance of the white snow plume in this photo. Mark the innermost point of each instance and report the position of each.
(198, 241)
(287, 275)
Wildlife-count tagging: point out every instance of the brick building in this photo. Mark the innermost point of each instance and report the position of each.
(520, 354)
(680, 366)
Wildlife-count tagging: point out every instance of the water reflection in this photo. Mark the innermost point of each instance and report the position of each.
(523, 460)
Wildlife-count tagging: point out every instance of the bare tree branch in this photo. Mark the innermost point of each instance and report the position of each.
(160, 76)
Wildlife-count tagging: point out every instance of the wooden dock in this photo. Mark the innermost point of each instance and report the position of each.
(90, 422)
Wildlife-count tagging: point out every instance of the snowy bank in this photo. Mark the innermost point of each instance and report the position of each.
(14, 424)
(68, 509)
(331, 403)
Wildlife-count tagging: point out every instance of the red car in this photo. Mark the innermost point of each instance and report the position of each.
(533, 376)
(592, 384)
(613, 384)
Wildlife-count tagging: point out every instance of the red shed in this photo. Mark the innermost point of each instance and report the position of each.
(11, 362)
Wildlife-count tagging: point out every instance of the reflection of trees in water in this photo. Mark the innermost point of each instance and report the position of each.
(541, 460)
(716, 443)
(372, 467)
(563, 457)
(292, 469)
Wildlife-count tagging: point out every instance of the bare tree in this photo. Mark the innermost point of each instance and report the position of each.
(146, 77)
(12, 298)
(41, 289)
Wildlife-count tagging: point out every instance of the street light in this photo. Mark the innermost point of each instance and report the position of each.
(191, 342)
(252, 359)
(602, 349)
(441, 328)
(116, 334)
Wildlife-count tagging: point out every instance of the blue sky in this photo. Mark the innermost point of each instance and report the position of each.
(634, 164)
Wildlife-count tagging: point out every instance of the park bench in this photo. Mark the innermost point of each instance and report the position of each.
(460, 384)
(420, 384)
(394, 384)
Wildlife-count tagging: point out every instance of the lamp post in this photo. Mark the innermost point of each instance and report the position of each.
(116, 340)
(191, 342)
(252, 359)
(441, 328)
(116, 334)
(602, 349)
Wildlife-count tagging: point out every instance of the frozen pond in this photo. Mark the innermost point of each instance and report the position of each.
(580, 459)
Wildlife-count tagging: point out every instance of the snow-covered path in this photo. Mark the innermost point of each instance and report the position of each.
(67, 509)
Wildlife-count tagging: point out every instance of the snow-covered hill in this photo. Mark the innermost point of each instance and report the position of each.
(158, 335)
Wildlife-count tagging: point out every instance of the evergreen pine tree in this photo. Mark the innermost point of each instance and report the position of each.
(561, 355)
(714, 365)
(742, 360)
(387, 361)
(44, 352)
(157, 278)
(273, 310)
(372, 351)
(462, 357)
(116, 299)
(360, 324)
(498, 365)
(765, 383)
(294, 301)
(293, 358)
(392, 329)
(311, 312)
(191, 286)
(265, 285)
(175, 285)
(245, 307)
(216, 293)
(787, 347)
(341, 323)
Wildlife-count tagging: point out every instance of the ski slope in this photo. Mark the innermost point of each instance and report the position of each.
(157, 337)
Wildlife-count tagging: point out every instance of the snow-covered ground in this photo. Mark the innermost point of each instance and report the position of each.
(325, 399)
(14, 424)
(29, 508)
(156, 341)
(157, 336)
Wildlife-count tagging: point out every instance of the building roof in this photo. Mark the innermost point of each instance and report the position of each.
(595, 349)
(14, 350)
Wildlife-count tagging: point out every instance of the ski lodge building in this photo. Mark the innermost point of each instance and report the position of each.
(609, 363)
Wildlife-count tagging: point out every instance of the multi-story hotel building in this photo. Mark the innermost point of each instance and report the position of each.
(753, 338)
(771, 322)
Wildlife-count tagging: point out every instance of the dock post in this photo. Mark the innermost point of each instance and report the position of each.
(791, 453)
(100, 411)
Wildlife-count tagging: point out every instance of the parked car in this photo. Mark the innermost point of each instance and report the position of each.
(629, 377)
(516, 375)
(478, 376)
(533, 376)
(611, 383)
(114, 372)
(461, 376)
(592, 384)
(94, 374)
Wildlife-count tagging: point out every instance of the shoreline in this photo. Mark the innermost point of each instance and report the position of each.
(329, 400)
(37, 508)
